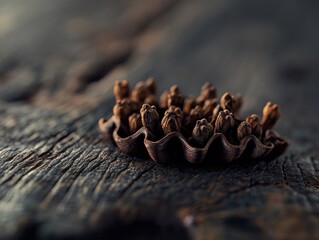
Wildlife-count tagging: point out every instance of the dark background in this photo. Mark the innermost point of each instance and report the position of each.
(58, 62)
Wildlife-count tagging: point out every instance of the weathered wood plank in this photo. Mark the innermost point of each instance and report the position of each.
(59, 179)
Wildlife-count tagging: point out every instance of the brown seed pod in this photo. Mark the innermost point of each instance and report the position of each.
(227, 102)
(171, 122)
(196, 113)
(208, 91)
(122, 110)
(177, 110)
(256, 127)
(224, 122)
(209, 106)
(121, 90)
(139, 93)
(271, 114)
(135, 106)
(164, 100)
(151, 100)
(189, 104)
(174, 90)
(175, 100)
(238, 101)
(243, 130)
(174, 97)
(202, 132)
(150, 119)
(216, 111)
(188, 133)
(150, 86)
(135, 122)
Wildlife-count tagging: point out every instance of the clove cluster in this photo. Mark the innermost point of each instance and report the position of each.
(196, 118)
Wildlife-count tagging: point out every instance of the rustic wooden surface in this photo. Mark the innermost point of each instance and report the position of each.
(58, 62)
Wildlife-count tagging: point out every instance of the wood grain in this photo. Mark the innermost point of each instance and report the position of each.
(59, 179)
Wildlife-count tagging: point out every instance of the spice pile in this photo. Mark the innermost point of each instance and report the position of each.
(193, 128)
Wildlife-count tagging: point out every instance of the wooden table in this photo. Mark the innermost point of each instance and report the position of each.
(58, 62)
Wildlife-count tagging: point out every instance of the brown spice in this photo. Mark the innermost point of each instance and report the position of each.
(171, 121)
(177, 110)
(174, 90)
(209, 106)
(202, 132)
(256, 127)
(271, 114)
(174, 97)
(139, 93)
(227, 102)
(199, 117)
(208, 91)
(122, 110)
(150, 119)
(151, 100)
(216, 111)
(224, 122)
(135, 106)
(196, 113)
(121, 90)
(189, 104)
(135, 122)
(150, 86)
(163, 100)
(243, 130)
(238, 101)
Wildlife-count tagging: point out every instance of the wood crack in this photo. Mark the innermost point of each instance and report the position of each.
(97, 187)
(134, 180)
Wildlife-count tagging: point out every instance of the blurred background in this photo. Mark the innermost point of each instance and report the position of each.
(58, 62)
(64, 55)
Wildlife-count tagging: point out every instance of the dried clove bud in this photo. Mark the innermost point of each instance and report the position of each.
(271, 114)
(196, 113)
(171, 122)
(135, 122)
(208, 85)
(238, 101)
(256, 127)
(122, 109)
(174, 97)
(151, 100)
(202, 132)
(209, 106)
(150, 86)
(208, 91)
(243, 130)
(150, 119)
(135, 106)
(189, 104)
(174, 90)
(227, 102)
(177, 110)
(164, 100)
(224, 122)
(175, 100)
(216, 111)
(195, 119)
(121, 89)
(139, 93)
